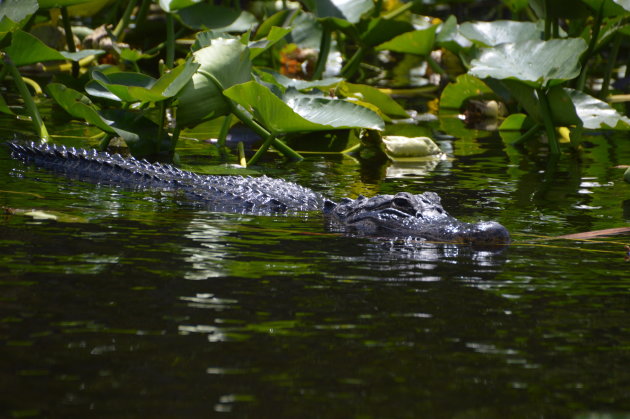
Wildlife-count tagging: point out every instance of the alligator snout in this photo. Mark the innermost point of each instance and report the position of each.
(487, 233)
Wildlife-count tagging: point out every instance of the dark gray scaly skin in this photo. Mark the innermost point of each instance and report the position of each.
(400, 215)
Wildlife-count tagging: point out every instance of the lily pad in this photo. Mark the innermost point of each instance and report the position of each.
(301, 113)
(536, 63)
(489, 34)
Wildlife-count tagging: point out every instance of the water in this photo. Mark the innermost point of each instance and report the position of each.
(132, 305)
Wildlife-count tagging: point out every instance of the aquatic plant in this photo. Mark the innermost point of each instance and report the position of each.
(544, 67)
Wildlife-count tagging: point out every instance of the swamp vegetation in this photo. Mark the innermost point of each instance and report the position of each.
(117, 302)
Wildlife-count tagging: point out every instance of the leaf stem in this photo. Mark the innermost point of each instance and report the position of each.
(550, 129)
(170, 41)
(324, 50)
(352, 65)
(29, 103)
(124, 21)
(610, 65)
(245, 117)
(591, 47)
(69, 39)
(529, 134)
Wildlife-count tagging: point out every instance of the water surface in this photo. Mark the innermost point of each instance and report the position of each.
(133, 305)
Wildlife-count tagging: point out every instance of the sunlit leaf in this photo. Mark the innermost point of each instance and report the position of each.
(301, 113)
(596, 114)
(489, 34)
(418, 42)
(537, 63)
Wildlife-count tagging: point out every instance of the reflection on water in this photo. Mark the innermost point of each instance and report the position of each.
(153, 309)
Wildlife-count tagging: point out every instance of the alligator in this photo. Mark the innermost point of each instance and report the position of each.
(401, 215)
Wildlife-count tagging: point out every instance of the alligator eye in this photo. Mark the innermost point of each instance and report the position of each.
(401, 202)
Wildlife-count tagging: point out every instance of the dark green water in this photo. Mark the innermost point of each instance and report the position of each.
(141, 307)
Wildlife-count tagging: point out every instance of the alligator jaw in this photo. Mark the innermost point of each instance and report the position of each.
(408, 215)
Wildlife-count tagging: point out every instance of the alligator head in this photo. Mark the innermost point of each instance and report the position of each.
(405, 214)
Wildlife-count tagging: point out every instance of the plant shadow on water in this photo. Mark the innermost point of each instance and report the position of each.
(150, 308)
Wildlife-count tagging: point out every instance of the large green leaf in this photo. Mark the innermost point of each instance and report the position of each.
(489, 34)
(78, 105)
(418, 42)
(536, 63)
(301, 113)
(227, 60)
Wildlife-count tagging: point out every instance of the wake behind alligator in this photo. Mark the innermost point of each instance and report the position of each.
(401, 215)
